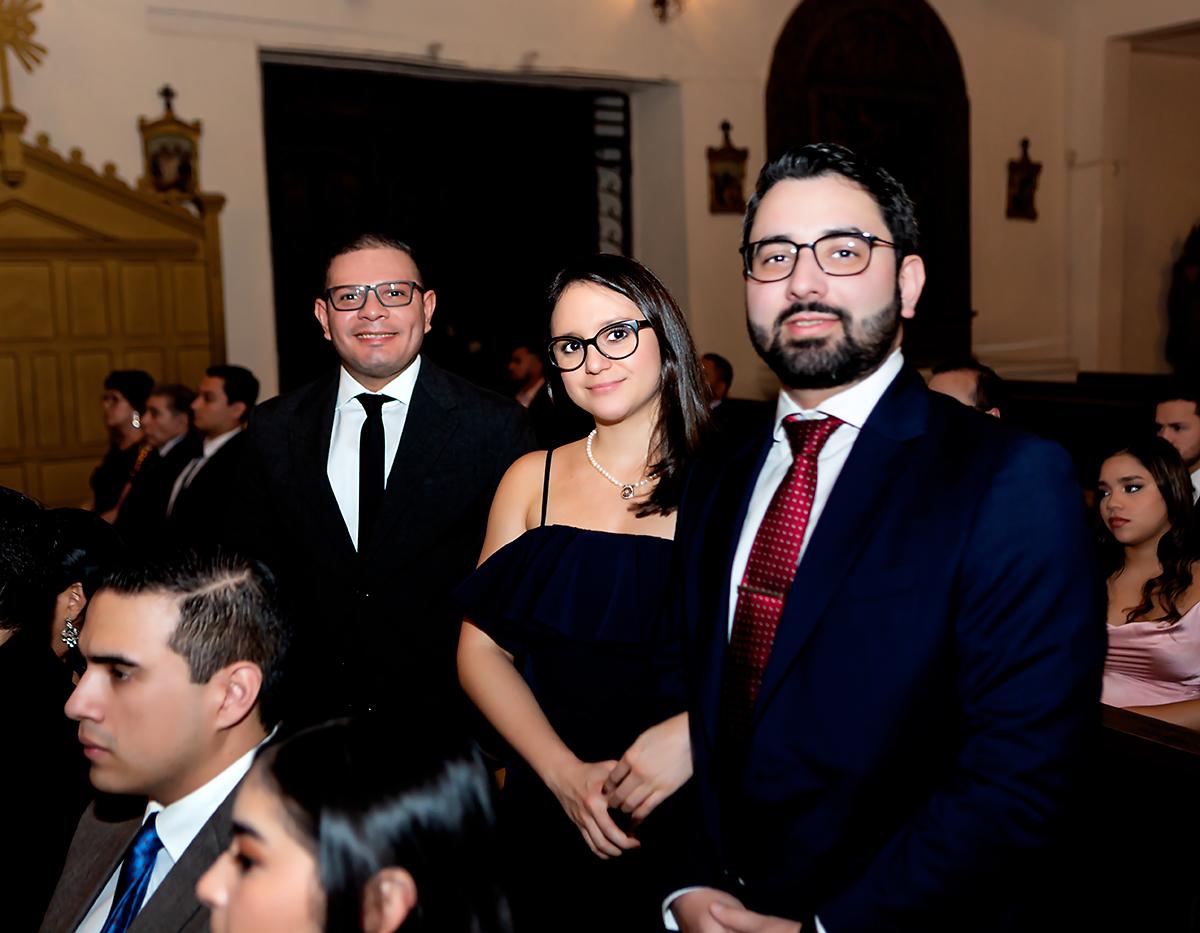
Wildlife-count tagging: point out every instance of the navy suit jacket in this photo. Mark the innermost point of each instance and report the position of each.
(934, 679)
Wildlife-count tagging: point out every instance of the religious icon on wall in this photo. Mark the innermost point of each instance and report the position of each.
(726, 176)
(171, 152)
(1023, 176)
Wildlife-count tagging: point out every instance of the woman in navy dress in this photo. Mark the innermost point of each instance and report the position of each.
(568, 646)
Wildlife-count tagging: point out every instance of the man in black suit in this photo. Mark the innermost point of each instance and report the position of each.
(368, 492)
(734, 419)
(167, 424)
(894, 644)
(204, 497)
(180, 690)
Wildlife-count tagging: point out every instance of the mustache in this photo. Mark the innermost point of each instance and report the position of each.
(812, 307)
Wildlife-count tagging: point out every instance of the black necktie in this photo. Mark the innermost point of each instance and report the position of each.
(371, 476)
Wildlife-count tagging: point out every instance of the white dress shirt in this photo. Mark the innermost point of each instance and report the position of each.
(1196, 486)
(177, 825)
(852, 406)
(188, 473)
(171, 444)
(348, 419)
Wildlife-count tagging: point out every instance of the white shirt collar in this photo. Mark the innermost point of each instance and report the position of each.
(852, 406)
(171, 444)
(400, 388)
(180, 822)
(213, 444)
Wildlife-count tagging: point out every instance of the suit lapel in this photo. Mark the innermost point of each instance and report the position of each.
(174, 903)
(845, 525)
(427, 426)
(96, 851)
(730, 498)
(312, 434)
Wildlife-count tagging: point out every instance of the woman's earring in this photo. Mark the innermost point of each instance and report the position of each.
(549, 391)
(69, 634)
(136, 420)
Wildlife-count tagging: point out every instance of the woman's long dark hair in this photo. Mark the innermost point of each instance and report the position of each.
(364, 799)
(1177, 549)
(683, 412)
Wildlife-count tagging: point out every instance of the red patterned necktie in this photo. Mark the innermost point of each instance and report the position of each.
(769, 573)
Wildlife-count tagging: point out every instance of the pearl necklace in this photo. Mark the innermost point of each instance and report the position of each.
(627, 489)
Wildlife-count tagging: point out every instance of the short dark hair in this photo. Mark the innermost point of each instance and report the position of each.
(724, 367)
(362, 802)
(372, 241)
(1180, 390)
(683, 412)
(179, 396)
(241, 385)
(26, 593)
(228, 611)
(134, 384)
(990, 390)
(819, 159)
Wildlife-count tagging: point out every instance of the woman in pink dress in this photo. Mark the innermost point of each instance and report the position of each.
(1150, 558)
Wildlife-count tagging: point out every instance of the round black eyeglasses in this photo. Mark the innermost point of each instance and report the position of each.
(774, 259)
(616, 341)
(388, 294)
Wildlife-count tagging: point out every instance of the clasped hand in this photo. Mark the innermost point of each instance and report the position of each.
(656, 765)
(652, 768)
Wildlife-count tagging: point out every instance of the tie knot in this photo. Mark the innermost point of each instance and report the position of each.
(373, 404)
(145, 844)
(808, 435)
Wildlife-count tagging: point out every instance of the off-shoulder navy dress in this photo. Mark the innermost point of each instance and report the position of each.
(585, 615)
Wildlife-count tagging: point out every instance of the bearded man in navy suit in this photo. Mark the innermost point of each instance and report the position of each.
(894, 638)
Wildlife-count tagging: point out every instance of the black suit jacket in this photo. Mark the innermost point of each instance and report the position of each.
(101, 840)
(737, 420)
(375, 629)
(932, 685)
(205, 510)
(142, 520)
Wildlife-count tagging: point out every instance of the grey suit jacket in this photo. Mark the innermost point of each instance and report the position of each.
(105, 831)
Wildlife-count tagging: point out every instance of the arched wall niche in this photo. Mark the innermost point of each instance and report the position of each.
(883, 77)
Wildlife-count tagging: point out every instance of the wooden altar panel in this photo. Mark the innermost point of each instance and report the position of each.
(94, 276)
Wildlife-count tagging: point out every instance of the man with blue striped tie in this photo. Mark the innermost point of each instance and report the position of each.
(182, 670)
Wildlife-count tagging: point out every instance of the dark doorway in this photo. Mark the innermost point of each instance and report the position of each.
(884, 78)
(495, 185)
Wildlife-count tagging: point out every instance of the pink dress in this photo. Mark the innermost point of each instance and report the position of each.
(1150, 663)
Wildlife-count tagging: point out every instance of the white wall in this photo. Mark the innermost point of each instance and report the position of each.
(1097, 133)
(1033, 68)
(1162, 192)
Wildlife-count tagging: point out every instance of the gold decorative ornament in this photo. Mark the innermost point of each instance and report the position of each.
(16, 33)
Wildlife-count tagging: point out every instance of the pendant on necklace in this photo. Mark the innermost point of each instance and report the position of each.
(627, 491)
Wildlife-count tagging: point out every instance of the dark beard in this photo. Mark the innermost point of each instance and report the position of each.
(822, 363)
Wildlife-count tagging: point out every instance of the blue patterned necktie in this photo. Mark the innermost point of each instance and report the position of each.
(134, 878)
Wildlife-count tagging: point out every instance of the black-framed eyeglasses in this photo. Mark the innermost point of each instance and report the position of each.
(616, 341)
(388, 294)
(775, 258)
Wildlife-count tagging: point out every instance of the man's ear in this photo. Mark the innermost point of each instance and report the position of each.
(239, 684)
(322, 313)
(910, 282)
(388, 899)
(428, 304)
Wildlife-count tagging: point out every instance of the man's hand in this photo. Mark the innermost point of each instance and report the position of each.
(692, 911)
(655, 766)
(739, 920)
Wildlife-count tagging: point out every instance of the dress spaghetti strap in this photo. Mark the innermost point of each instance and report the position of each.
(546, 487)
